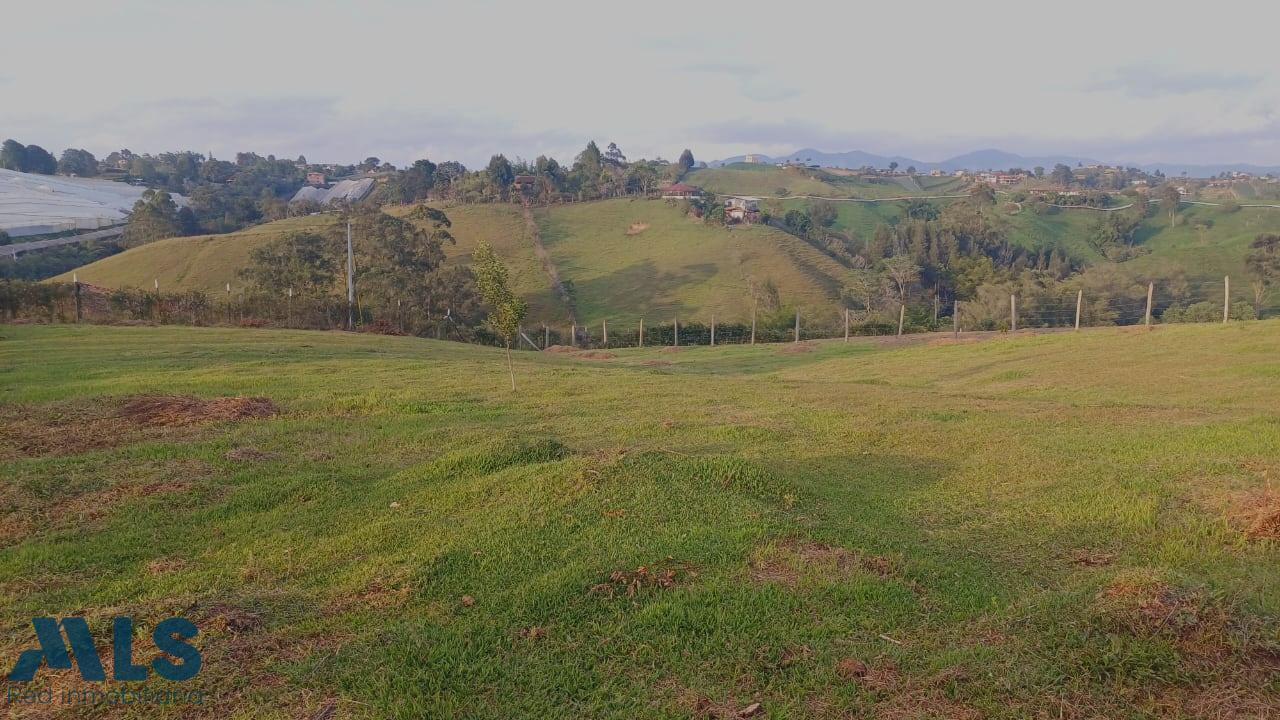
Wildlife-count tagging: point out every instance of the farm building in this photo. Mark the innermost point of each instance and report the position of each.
(742, 209)
(680, 191)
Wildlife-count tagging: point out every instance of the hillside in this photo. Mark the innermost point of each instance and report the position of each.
(631, 258)
(503, 227)
(767, 180)
(1032, 526)
(204, 262)
(625, 258)
(672, 266)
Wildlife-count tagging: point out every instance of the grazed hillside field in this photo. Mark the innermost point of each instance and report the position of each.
(1059, 526)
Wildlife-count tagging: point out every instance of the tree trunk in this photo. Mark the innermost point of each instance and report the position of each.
(511, 368)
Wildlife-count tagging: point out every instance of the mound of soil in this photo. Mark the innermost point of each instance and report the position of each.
(637, 227)
(180, 410)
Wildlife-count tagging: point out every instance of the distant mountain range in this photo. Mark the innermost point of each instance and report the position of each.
(990, 159)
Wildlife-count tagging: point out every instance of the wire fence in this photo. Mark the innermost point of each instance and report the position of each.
(993, 310)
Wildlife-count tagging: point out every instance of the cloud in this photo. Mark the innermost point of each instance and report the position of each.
(753, 81)
(1150, 81)
(325, 129)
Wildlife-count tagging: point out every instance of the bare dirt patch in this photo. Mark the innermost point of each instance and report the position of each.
(1257, 514)
(165, 565)
(1090, 558)
(789, 562)
(637, 227)
(70, 428)
(797, 348)
(182, 410)
(584, 354)
(379, 595)
(656, 363)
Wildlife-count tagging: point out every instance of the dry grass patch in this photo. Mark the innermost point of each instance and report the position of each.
(629, 583)
(71, 428)
(182, 410)
(790, 562)
(250, 454)
(798, 347)
(637, 227)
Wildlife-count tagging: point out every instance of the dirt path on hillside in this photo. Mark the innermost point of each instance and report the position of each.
(544, 257)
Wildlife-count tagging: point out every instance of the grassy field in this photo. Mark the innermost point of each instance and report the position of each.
(204, 262)
(503, 227)
(1058, 526)
(627, 258)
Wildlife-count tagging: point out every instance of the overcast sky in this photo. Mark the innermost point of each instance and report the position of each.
(338, 81)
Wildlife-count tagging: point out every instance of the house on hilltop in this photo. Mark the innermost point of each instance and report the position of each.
(315, 179)
(680, 191)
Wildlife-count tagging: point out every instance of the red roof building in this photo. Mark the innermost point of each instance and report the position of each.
(681, 191)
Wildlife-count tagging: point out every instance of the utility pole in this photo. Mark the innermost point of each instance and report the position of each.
(1226, 298)
(351, 282)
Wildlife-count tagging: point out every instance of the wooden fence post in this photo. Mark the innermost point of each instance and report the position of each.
(935, 311)
(1079, 301)
(1013, 313)
(1226, 298)
(546, 336)
(797, 324)
(955, 319)
(641, 331)
(1151, 287)
(75, 278)
(902, 316)
(675, 325)
(753, 324)
(713, 330)
(573, 335)
(604, 330)
(846, 324)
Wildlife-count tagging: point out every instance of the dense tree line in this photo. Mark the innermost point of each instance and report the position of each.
(399, 268)
(593, 175)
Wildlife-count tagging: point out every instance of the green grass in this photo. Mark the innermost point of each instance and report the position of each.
(677, 266)
(916, 508)
(204, 262)
(503, 227)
